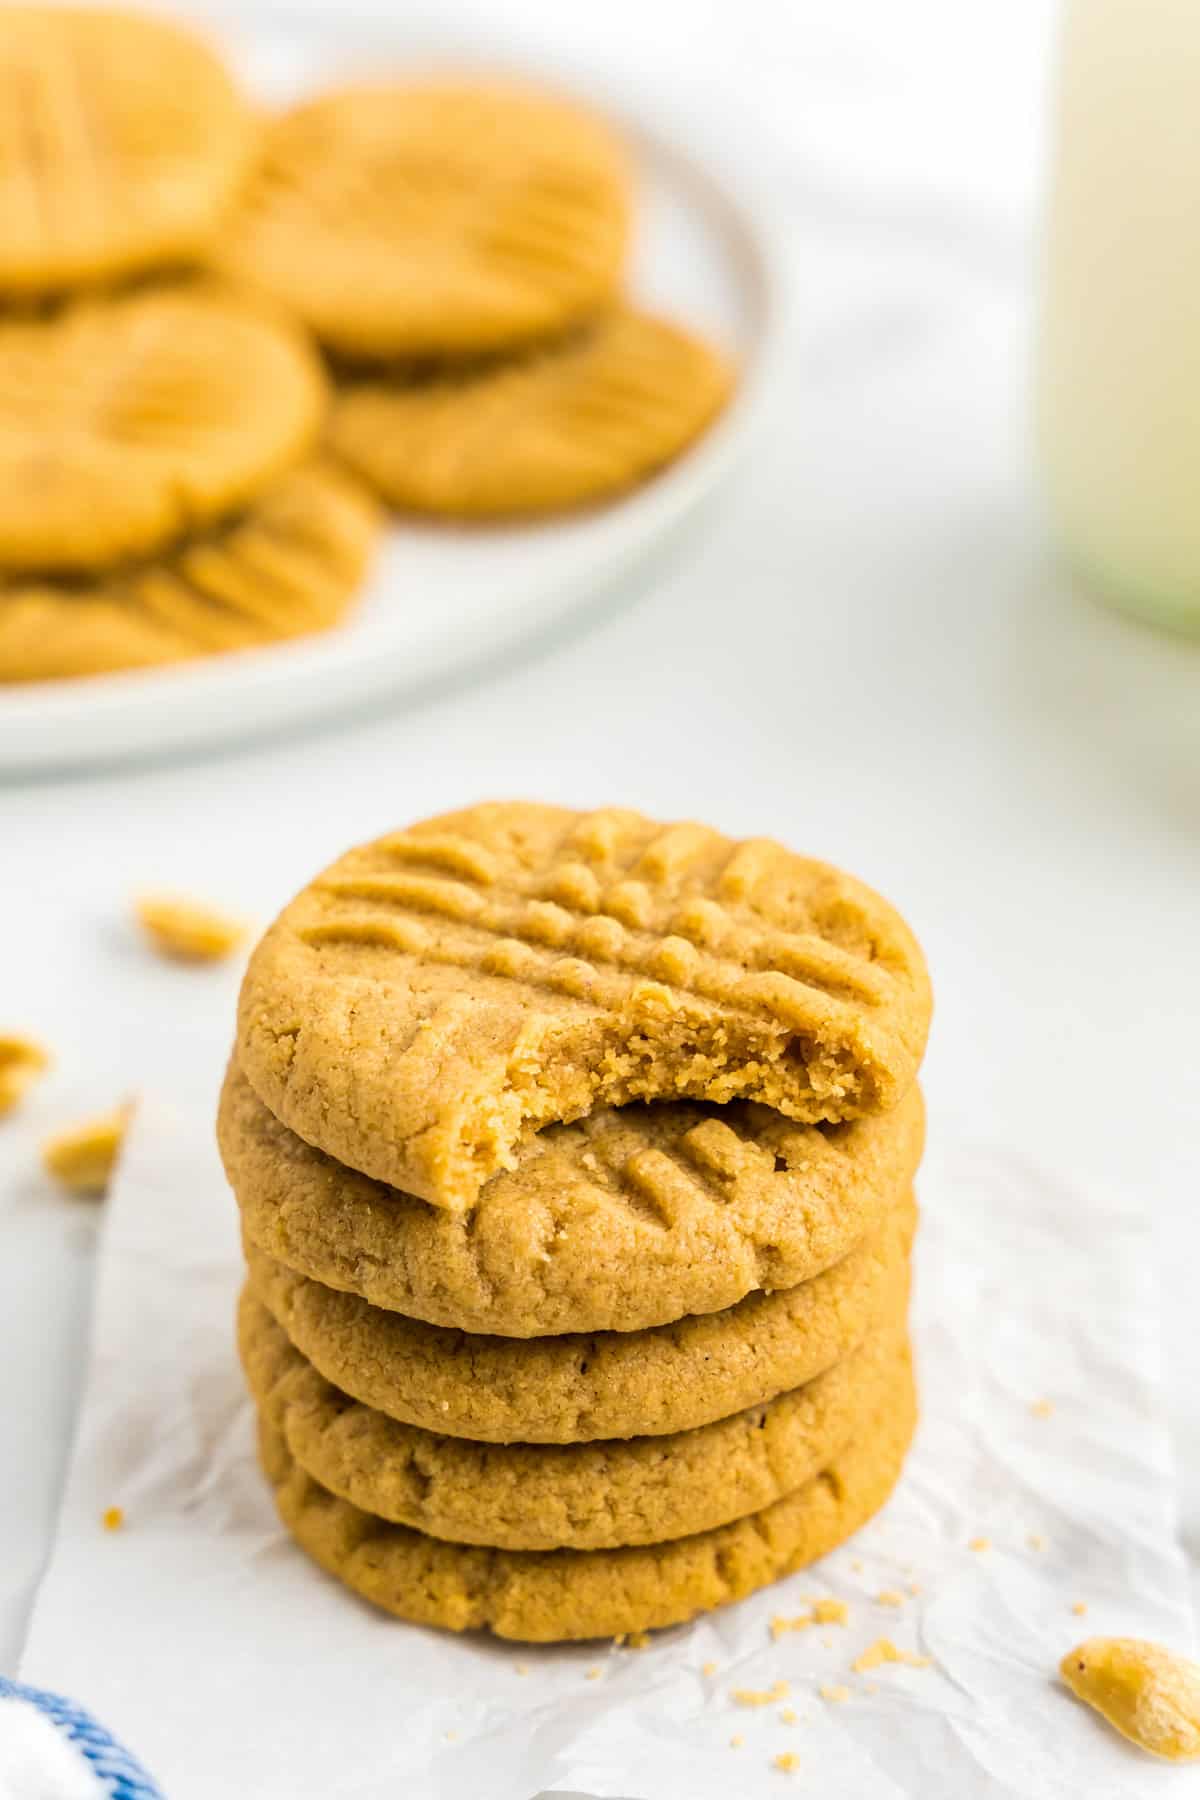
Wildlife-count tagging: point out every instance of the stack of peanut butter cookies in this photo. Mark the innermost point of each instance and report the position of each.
(574, 1157)
(163, 488)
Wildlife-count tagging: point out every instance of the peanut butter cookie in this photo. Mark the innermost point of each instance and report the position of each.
(292, 562)
(439, 219)
(125, 423)
(628, 1218)
(122, 143)
(638, 1490)
(562, 1390)
(437, 997)
(575, 422)
(549, 1596)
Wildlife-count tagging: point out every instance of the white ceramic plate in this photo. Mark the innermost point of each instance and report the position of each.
(444, 600)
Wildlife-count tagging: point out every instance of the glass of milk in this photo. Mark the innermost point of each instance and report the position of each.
(1118, 379)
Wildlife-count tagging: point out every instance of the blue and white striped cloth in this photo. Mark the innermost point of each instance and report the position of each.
(51, 1749)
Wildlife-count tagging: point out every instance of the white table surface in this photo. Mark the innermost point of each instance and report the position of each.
(866, 652)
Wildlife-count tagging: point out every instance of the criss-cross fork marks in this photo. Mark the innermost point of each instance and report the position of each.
(59, 163)
(672, 924)
(604, 409)
(107, 129)
(125, 378)
(390, 196)
(142, 375)
(56, 376)
(286, 567)
(480, 176)
(707, 1161)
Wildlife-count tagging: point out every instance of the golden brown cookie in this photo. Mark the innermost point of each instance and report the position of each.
(641, 1490)
(426, 220)
(547, 1596)
(561, 1390)
(575, 422)
(122, 142)
(291, 563)
(437, 997)
(126, 423)
(638, 1490)
(628, 1218)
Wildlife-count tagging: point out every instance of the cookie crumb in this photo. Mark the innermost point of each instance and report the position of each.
(594, 1673)
(914, 1587)
(187, 930)
(884, 1651)
(787, 1715)
(980, 1543)
(889, 1597)
(22, 1060)
(708, 1668)
(638, 1640)
(1079, 1608)
(1036, 1541)
(830, 1612)
(112, 1518)
(835, 1692)
(1042, 1409)
(780, 1625)
(82, 1158)
(760, 1696)
(856, 1566)
(452, 1737)
(787, 1762)
(1146, 1692)
(736, 1741)
(522, 1669)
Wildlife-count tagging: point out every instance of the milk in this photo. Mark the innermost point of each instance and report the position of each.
(1118, 377)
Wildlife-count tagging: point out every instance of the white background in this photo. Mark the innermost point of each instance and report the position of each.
(866, 651)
